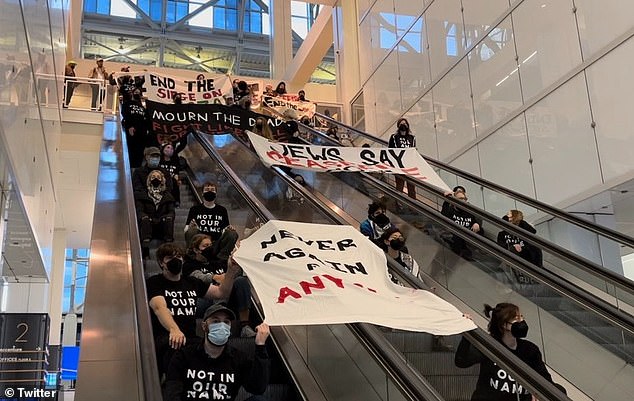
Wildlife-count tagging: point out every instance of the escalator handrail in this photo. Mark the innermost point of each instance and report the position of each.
(570, 218)
(410, 381)
(588, 266)
(537, 384)
(145, 346)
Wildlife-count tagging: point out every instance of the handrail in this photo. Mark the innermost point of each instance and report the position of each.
(409, 380)
(537, 384)
(580, 262)
(595, 228)
(145, 346)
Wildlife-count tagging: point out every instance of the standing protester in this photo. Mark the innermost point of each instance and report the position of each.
(212, 369)
(507, 325)
(69, 74)
(135, 123)
(207, 218)
(98, 72)
(403, 138)
(242, 97)
(172, 299)
(302, 96)
(280, 89)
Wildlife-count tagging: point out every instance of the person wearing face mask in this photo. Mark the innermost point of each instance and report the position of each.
(171, 164)
(136, 124)
(403, 138)
(394, 246)
(152, 157)
(202, 262)
(376, 224)
(155, 210)
(207, 218)
(301, 96)
(172, 299)
(219, 369)
(507, 325)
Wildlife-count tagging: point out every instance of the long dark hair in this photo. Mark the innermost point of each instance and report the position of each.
(403, 120)
(499, 316)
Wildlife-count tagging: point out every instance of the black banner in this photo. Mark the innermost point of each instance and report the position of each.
(172, 121)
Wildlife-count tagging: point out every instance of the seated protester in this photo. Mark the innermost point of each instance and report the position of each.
(152, 157)
(376, 224)
(155, 210)
(446, 206)
(307, 121)
(332, 132)
(517, 245)
(507, 325)
(207, 262)
(262, 128)
(292, 131)
(394, 245)
(172, 300)
(207, 218)
(242, 98)
(465, 219)
(171, 165)
(225, 369)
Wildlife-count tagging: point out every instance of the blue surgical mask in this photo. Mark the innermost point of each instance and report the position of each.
(218, 333)
(153, 162)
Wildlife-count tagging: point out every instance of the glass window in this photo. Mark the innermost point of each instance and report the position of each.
(75, 277)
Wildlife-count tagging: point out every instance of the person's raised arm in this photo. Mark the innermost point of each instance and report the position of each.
(223, 290)
(159, 307)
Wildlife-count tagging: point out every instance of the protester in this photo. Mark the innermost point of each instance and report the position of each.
(517, 245)
(98, 72)
(172, 299)
(136, 124)
(403, 138)
(155, 210)
(242, 97)
(207, 218)
(152, 157)
(377, 223)
(465, 219)
(262, 128)
(223, 368)
(268, 91)
(280, 89)
(69, 79)
(170, 163)
(332, 133)
(507, 325)
(393, 244)
(302, 96)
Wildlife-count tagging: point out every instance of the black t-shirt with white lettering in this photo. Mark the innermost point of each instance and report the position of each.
(180, 297)
(494, 383)
(210, 221)
(192, 374)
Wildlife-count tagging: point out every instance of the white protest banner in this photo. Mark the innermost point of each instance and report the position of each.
(325, 274)
(211, 89)
(282, 103)
(340, 159)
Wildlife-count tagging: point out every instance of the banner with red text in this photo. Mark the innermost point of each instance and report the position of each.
(282, 103)
(210, 89)
(338, 159)
(325, 274)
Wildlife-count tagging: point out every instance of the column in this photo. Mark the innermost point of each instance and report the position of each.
(347, 54)
(56, 292)
(281, 37)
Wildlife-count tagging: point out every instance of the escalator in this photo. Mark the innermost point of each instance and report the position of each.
(586, 340)
(270, 188)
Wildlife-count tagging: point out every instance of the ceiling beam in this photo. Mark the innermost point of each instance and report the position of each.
(142, 14)
(116, 52)
(189, 16)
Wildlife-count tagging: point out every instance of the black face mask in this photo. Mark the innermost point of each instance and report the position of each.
(209, 196)
(155, 182)
(137, 96)
(258, 125)
(175, 266)
(397, 244)
(178, 100)
(519, 329)
(381, 220)
(402, 128)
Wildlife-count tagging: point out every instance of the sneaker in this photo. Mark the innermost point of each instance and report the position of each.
(247, 332)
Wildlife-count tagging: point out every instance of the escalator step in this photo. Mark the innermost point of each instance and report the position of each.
(407, 341)
(277, 392)
(438, 363)
(579, 318)
(454, 388)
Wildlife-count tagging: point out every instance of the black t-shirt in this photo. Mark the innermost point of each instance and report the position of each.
(171, 166)
(402, 141)
(210, 221)
(192, 374)
(494, 383)
(180, 297)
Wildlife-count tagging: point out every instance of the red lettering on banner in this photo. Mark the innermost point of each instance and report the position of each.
(338, 282)
(274, 154)
(311, 164)
(292, 162)
(286, 292)
(306, 286)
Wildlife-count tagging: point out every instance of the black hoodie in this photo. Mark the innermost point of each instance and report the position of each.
(529, 252)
